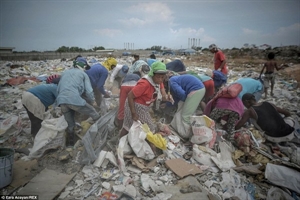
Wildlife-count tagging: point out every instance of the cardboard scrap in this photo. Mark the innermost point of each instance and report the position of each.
(182, 168)
(47, 184)
(22, 172)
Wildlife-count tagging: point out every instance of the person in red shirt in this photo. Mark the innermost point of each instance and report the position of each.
(143, 94)
(219, 59)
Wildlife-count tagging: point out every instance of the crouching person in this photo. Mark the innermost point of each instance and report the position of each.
(73, 84)
(266, 117)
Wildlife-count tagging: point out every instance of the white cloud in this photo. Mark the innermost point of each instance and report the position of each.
(288, 30)
(108, 32)
(249, 31)
(148, 14)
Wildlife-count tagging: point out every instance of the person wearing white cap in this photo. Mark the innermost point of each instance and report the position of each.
(219, 59)
(118, 73)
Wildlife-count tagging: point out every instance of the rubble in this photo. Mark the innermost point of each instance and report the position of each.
(182, 171)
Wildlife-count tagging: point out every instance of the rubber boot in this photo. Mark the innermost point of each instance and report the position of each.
(70, 138)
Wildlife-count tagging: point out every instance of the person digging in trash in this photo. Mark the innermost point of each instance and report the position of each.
(98, 74)
(269, 68)
(75, 83)
(118, 73)
(140, 98)
(266, 117)
(187, 91)
(128, 83)
(36, 101)
(252, 86)
(227, 109)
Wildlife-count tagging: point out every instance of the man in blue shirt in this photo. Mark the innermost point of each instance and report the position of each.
(36, 101)
(98, 74)
(75, 83)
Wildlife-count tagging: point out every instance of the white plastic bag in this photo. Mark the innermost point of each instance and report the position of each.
(123, 148)
(183, 129)
(10, 125)
(50, 136)
(138, 143)
(203, 129)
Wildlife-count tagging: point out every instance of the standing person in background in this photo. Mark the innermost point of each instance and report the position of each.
(136, 58)
(151, 60)
(219, 59)
(73, 84)
(36, 101)
(98, 75)
(118, 73)
(270, 66)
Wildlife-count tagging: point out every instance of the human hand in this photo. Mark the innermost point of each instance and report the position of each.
(219, 69)
(170, 99)
(135, 117)
(94, 104)
(106, 95)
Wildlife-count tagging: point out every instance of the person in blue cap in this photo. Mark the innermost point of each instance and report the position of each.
(73, 84)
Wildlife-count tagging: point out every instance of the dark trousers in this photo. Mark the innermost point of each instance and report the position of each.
(36, 123)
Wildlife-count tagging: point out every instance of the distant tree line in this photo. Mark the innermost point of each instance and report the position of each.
(77, 49)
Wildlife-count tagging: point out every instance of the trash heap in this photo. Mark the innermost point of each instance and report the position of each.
(210, 167)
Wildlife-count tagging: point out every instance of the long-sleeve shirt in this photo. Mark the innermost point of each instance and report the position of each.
(182, 85)
(74, 83)
(47, 93)
(98, 75)
(115, 73)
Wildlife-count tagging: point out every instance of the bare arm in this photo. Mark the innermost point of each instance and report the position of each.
(222, 64)
(246, 116)
(130, 98)
(282, 111)
(262, 70)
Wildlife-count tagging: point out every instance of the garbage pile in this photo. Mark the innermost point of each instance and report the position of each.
(208, 167)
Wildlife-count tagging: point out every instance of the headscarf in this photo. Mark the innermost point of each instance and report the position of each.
(157, 68)
(109, 62)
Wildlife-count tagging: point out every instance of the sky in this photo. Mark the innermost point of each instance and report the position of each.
(46, 25)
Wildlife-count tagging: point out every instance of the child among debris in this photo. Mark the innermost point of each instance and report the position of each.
(219, 59)
(141, 97)
(98, 74)
(251, 86)
(267, 118)
(36, 101)
(187, 91)
(227, 109)
(73, 84)
(270, 65)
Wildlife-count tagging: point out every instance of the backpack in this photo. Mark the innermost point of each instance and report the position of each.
(230, 91)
